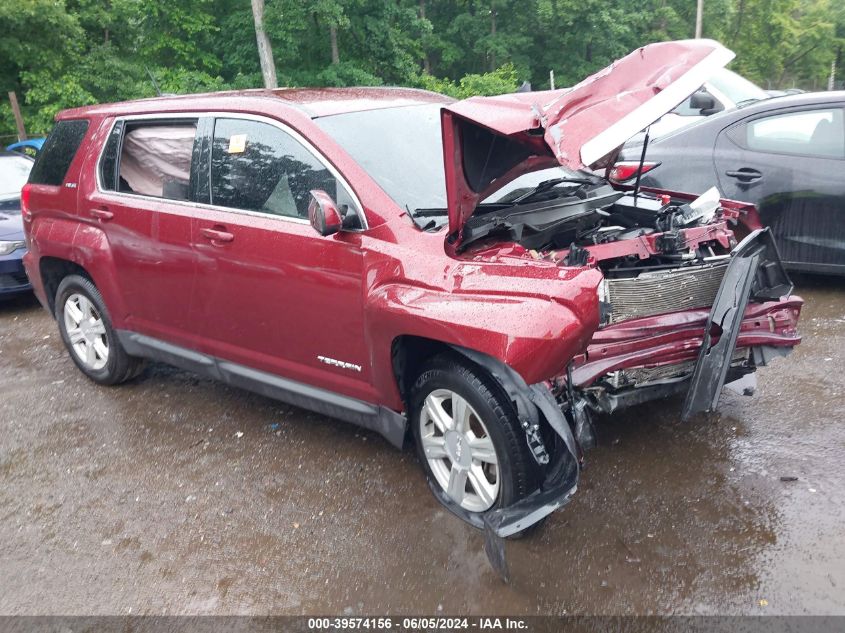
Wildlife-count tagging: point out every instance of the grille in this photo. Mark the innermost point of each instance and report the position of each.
(13, 280)
(664, 291)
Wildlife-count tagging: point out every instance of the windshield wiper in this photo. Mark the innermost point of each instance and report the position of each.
(546, 185)
(419, 217)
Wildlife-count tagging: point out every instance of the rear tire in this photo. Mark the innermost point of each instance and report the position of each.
(88, 335)
(469, 440)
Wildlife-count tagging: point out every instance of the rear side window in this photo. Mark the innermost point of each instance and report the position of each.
(55, 157)
(152, 158)
(108, 164)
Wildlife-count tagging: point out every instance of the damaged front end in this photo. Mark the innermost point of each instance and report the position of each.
(683, 307)
(644, 353)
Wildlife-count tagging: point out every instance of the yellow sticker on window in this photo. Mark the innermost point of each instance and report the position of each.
(237, 143)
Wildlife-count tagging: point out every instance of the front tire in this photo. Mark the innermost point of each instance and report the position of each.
(88, 335)
(469, 440)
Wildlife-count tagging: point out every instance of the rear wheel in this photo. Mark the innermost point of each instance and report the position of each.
(88, 335)
(468, 439)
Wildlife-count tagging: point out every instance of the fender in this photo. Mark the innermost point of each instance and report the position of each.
(84, 244)
(535, 336)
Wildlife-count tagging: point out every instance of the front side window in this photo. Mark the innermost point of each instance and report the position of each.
(736, 87)
(257, 166)
(810, 133)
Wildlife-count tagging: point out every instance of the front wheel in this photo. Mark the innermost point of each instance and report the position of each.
(469, 440)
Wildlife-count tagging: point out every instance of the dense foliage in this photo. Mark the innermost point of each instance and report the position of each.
(62, 53)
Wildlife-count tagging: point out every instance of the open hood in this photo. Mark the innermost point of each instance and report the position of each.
(489, 141)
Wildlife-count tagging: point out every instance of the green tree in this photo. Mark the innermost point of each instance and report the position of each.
(106, 50)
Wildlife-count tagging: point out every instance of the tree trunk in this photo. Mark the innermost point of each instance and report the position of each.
(333, 36)
(265, 50)
(492, 37)
(739, 14)
(426, 59)
(699, 11)
(831, 80)
(16, 110)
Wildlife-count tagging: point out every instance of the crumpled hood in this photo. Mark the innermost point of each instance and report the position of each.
(489, 141)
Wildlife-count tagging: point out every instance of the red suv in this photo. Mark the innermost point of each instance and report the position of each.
(458, 272)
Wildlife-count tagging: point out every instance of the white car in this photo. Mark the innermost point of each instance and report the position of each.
(725, 90)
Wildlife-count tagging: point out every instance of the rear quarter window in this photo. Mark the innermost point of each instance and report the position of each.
(55, 157)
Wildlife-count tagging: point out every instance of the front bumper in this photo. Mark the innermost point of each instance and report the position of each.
(13, 277)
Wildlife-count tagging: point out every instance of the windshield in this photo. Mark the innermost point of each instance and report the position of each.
(14, 170)
(736, 87)
(402, 150)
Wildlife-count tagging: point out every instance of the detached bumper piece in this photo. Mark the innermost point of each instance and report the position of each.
(754, 272)
(556, 491)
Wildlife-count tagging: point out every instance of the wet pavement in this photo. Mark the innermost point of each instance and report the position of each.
(178, 495)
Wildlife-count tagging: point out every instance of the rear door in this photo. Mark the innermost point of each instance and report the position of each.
(791, 164)
(271, 293)
(143, 201)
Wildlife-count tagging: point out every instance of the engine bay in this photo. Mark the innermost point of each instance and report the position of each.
(575, 222)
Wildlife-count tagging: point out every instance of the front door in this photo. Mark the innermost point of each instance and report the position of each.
(791, 165)
(271, 293)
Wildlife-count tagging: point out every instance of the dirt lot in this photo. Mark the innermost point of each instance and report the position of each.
(178, 495)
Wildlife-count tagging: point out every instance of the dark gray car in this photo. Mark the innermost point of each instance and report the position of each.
(785, 155)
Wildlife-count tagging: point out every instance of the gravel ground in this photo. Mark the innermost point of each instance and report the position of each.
(177, 495)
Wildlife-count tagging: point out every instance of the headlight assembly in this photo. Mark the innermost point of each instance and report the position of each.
(7, 248)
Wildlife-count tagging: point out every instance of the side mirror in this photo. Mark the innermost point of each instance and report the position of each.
(702, 100)
(323, 213)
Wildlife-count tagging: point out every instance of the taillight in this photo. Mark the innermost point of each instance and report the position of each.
(627, 169)
(25, 212)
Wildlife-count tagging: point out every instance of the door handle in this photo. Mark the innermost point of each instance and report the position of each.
(102, 214)
(745, 174)
(217, 234)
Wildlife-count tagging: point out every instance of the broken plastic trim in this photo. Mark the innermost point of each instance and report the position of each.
(755, 270)
(531, 402)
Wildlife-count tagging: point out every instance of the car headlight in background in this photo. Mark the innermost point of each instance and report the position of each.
(7, 248)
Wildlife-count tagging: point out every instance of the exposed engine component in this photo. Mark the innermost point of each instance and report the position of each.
(579, 213)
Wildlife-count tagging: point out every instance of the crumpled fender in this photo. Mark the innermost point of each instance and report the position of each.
(535, 336)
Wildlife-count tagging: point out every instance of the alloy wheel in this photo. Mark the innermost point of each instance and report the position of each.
(459, 450)
(86, 331)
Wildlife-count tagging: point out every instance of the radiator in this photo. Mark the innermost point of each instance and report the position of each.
(664, 291)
